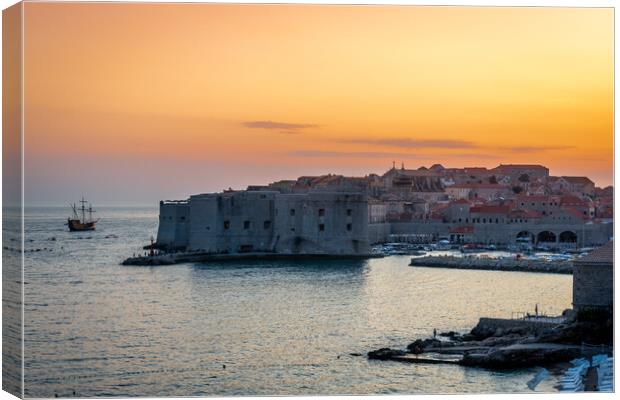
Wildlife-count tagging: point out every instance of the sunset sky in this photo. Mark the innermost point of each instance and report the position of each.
(133, 103)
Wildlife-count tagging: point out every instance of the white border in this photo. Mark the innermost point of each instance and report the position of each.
(526, 3)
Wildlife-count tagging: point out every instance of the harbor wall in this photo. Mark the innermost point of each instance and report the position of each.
(379, 232)
(493, 324)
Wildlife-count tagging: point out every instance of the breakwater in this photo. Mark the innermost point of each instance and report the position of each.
(187, 257)
(494, 264)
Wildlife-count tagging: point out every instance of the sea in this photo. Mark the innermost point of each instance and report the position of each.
(96, 328)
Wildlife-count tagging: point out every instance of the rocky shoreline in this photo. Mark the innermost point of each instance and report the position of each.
(499, 348)
(494, 264)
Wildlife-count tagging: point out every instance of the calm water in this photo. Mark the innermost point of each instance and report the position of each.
(101, 329)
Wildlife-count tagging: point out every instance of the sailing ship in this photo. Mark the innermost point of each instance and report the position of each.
(82, 219)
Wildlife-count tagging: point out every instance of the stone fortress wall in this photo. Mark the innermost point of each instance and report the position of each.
(267, 221)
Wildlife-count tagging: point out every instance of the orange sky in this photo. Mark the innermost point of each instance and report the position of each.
(137, 102)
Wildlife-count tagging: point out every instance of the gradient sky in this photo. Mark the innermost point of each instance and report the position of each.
(133, 103)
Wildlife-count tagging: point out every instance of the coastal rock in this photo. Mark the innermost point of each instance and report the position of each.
(385, 354)
(452, 335)
(503, 340)
(419, 345)
(521, 356)
(579, 332)
(482, 331)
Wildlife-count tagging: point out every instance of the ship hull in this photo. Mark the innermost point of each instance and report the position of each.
(75, 225)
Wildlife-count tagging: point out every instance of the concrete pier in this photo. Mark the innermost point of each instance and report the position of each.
(494, 264)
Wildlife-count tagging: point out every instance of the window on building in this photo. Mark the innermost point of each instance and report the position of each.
(267, 224)
(349, 212)
(321, 227)
(226, 224)
(182, 218)
(497, 220)
(349, 227)
(246, 224)
(292, 212)
(321, 212)
(484, 220)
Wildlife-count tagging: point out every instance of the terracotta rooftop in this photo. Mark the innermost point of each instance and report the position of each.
(490, 209)
(461, 201)
(479, 186)
(602, 255)
(579, 180)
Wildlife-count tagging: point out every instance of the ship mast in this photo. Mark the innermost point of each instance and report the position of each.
(83, 209)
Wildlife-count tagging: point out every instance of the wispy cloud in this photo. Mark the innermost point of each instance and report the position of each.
(348, 154)
(534, 149)
(283, 127)
(380, 154)
(415, 143)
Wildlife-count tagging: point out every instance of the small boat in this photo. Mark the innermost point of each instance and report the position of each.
(472, 248)
(86, 222)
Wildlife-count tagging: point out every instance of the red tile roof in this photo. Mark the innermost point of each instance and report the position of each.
(572, 201)
(490, 209)
(479, 186)
(461, 201)
(578, 180)
(527, 214)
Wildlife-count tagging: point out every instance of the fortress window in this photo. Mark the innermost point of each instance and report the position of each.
(292, 212)
(321, 212)
(321, 227)
(349, 212)
(267, 224)
(226, 224)
(349, 227)
(182, 218)
(246, 224)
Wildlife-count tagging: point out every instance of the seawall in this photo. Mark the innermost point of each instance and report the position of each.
(493, 264)
(185, 257)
